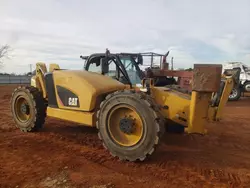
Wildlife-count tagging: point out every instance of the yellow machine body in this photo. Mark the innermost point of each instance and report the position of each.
(75, 93)
(130, 120)
(175, 105)
(86, 118)
(191, 111)
(87, 86)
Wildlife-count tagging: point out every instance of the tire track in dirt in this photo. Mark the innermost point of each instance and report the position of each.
(221, 175)
(166, 171)
(90, 147)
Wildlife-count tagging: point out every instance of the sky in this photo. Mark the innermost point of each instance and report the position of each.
(59, 31)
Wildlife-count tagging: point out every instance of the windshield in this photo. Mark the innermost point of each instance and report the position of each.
(131, 70)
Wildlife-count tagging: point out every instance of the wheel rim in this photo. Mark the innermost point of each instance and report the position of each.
(125, 125)
(233, 93)
(22, 109)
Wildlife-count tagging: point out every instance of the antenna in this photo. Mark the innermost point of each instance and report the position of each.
(172, 63)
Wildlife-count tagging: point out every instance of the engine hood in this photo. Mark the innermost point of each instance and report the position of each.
(88, 86)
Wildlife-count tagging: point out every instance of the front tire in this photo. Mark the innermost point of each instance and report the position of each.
(128, 125)
(28, 108)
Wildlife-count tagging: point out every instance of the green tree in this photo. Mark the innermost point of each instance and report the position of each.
(189, 69)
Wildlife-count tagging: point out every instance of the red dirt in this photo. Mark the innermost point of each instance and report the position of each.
(65, 154)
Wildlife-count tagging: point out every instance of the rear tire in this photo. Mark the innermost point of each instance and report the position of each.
(28, 108)
(235, 94)
(246, 86)
(135, 145)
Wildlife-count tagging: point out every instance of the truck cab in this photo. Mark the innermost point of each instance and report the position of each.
(244, 85)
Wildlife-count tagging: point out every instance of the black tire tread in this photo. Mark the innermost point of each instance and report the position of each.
(39, 105)
(155, 110)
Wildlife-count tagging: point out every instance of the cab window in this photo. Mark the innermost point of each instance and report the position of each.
(112, 69)
(131, 70)
(93, 68)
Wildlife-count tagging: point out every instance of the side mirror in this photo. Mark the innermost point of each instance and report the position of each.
(104, 65)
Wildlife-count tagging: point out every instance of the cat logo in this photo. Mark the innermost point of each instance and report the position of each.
(73, 101)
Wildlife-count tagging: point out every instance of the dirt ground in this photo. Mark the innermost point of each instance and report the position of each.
(65, 154)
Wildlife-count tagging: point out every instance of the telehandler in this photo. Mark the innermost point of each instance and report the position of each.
(130, 119)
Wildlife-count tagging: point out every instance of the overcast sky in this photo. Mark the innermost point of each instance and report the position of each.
(59, 31)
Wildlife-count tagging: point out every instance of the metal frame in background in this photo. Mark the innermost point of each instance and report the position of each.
(184, 77)
(153, 54)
